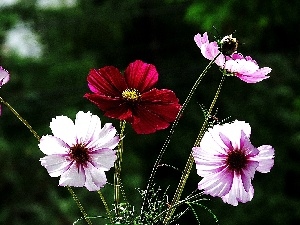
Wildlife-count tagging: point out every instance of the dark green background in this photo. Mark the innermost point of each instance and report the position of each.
(99, 33)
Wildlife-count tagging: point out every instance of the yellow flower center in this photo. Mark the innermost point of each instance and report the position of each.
(131, 94)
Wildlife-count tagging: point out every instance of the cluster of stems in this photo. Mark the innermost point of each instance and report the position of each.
(117, 174)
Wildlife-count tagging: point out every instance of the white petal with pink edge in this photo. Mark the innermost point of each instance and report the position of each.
(55, 164)
(63, 128)
(265, 158)
(74, 176)
(51, 145)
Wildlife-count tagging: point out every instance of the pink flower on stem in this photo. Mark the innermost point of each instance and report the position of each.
(234, 63)
(4, 78)
(79, 152)
(227, 161)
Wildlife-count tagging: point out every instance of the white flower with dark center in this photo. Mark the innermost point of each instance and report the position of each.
(79, 152)
(227, 161)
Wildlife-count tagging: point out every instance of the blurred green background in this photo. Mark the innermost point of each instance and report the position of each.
(49, 48)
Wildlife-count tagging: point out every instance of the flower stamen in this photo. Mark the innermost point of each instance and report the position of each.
(131, 94)
(80, 154)
(236, 160)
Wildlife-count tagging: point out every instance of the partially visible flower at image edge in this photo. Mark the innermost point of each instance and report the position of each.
(79, 152)
(227, 161)
(132, 96)
(245, 68)
(4, 78)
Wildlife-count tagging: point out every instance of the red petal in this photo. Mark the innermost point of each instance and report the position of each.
(106, 81)
(163, 103)
(141, 76)
(146, 122)
(156, 110)
(113, 107)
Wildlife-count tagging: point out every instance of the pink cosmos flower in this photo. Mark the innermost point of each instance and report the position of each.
(234, 63)
(132, 96)
(4, 78)
(227, 161)
(79, 152)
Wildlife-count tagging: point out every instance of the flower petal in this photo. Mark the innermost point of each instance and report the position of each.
(95, 178)
(106, 81)
(201, 40)
(103, 159)
(248, 174)
(51, 145)
(74, 176)
(255, 77)
(113, 107)
(217, 184)
(86, 125)
(63, 128)
(237, 192)
(208, 49)
(141, 76)
(265, 158)
(155, 111)
(4, 76)
(163, 103)
(234, 131)
(105, 138)
(207, 162)
(56, 165)
(146, 122)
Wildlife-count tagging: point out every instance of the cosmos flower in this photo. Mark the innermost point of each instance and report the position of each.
(132, 97)
(234, 63)
(227, 161)
(4, 78)
(79, 152)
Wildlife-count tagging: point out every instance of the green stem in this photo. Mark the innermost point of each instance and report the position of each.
(106, 207)
(38, 138)
(79, 206)
(117, 174)
(175, 123)
(190, 161)
(20, 118)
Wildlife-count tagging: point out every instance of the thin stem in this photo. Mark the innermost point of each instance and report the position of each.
(38, 138)
(175, 123)
(79, 205)
(106, 206)
(117, 174)
(190, 161)
(20, 118)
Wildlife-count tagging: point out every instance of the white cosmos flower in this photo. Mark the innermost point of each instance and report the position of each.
(227, 161)
(79, 152)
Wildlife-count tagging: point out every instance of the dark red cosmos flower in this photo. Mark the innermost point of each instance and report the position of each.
(132, 97)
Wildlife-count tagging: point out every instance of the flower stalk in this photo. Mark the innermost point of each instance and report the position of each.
(35, 134)
(172, 130)
(106, 207)
(20, 118)
(190, 161)
(117, 174)
(74, 196)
